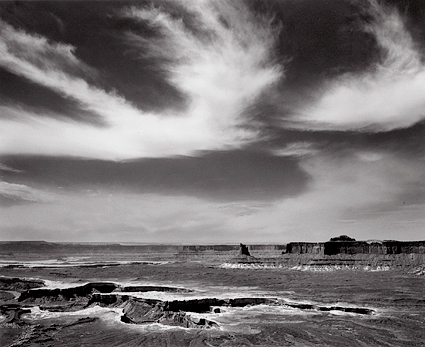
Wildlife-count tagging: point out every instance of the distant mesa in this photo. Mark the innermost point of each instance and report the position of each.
(339, 252)
(342, 238)
(346, 245)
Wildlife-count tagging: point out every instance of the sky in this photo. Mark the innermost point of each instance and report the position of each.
(212, 121)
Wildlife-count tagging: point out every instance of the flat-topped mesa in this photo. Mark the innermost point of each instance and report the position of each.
(346, 245)
(305, 248)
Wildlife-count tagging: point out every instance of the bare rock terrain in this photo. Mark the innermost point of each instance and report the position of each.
(132, 300)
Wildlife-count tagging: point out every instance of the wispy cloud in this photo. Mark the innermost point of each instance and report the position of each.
(387, 96)
(21, 192)
(21, 50)
(4, 167)
(222, 65)
(296, 149)
(220, 75)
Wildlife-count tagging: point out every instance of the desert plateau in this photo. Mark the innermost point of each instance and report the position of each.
(149, 296)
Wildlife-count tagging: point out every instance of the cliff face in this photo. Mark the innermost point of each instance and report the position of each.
(356, 247)
(363, 247)
(224, 252)
(396, 247)
(204, 248)
(305, 247)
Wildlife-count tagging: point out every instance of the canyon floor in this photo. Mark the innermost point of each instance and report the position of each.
(71, 302)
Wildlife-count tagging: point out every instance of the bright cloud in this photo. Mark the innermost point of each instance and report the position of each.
(222, 67)
(21, 192)
(220, 76)
(388, 96)
(296, 149)
(34, 51)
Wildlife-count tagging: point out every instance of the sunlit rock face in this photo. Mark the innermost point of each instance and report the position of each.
(305, 247)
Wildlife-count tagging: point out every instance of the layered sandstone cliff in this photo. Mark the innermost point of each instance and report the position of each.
(336, 246)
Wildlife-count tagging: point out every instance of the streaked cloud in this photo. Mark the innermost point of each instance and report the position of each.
(296, 149)
(4, 167)
(223, 176)
(369, 156)
(21, 192)
(24, 53)
(220, 76)
(222, 65)
(386, 96)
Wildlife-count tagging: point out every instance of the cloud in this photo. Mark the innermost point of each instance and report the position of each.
(371, 193)
(4, 167)
(222, 65)
(218, 175)
(350, 195)
(118, 216)
(386, 96)
(296, 149)
(369, 156)
(21, 193)
(34, 52)
(220, 74)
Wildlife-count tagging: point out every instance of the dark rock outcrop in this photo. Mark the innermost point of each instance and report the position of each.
(139, 311)
(342, 238)
(19, 284)
(69, 293)
(243, 250)
(244, 257)
(356, 310)
(13, 313)
(155, 288)
(185, 313)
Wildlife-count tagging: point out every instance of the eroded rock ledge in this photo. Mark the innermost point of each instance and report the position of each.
(137, 310)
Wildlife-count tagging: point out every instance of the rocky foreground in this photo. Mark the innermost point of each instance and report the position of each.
(195, 304)
(287, 300)
(136, 310)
